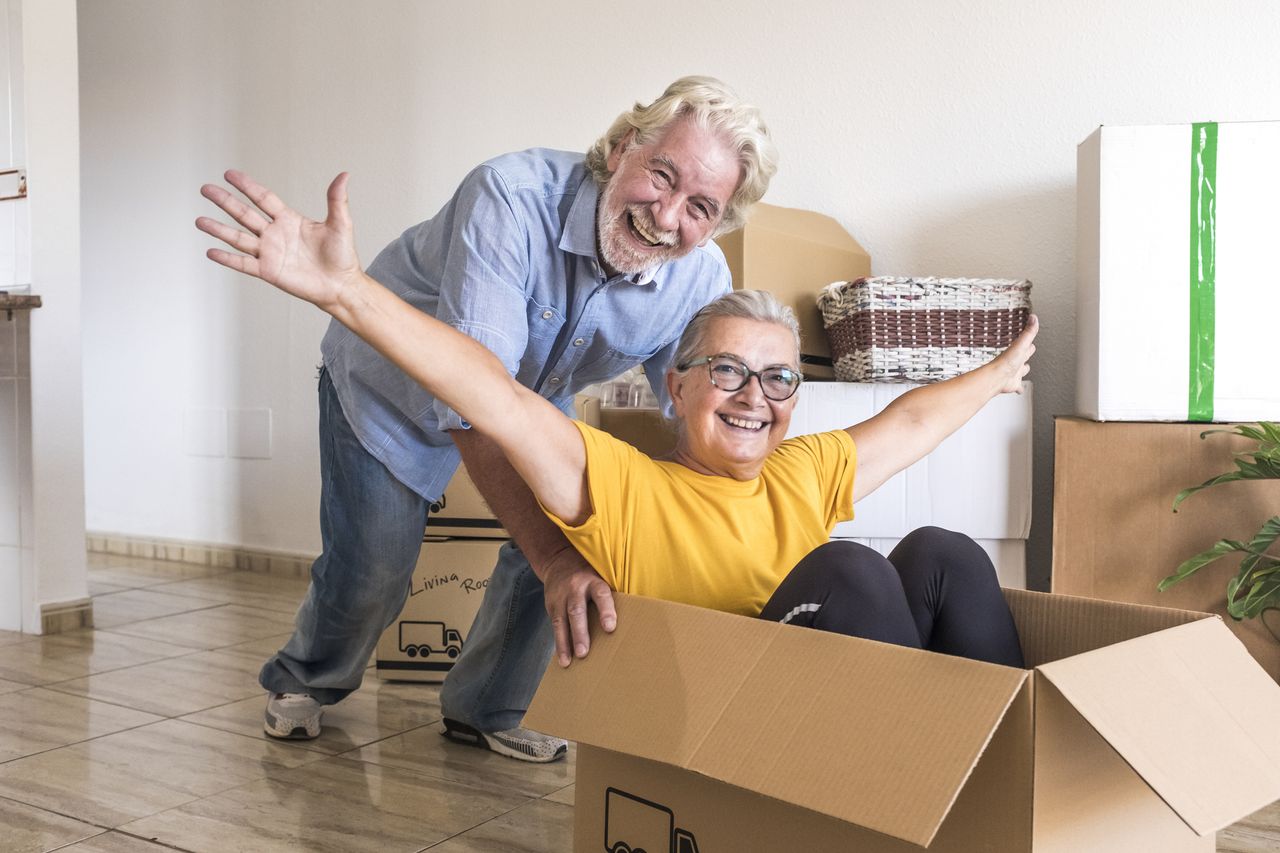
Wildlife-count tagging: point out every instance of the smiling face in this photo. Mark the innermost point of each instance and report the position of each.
(730, 434)
(664, 199)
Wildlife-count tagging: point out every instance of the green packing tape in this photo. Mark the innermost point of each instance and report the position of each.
(1204, 182)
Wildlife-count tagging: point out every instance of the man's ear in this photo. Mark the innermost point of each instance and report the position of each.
(615, 154)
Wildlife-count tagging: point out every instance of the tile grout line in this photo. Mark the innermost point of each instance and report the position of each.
(106, 830)
(484, 822)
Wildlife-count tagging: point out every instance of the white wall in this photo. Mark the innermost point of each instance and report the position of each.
(52, 524)
(942, 135)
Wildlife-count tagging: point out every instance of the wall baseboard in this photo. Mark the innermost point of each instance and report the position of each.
(282, 563)
(61, 616)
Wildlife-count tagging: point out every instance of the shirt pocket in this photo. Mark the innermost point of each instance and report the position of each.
(544, 321)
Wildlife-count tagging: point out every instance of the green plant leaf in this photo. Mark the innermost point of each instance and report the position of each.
(1245, 470)
(1255, 587)
(1266, 535)
(1244, 430)
(1257, 597)
(1188, 568)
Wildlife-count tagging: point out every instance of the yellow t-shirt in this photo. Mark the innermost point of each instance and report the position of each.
(660, 530)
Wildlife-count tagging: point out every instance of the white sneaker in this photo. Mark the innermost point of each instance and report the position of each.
(520, 744)
(295, 716)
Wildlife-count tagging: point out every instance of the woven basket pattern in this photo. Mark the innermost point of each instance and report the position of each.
(903, 329)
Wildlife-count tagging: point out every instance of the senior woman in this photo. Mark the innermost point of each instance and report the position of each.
(737, 519)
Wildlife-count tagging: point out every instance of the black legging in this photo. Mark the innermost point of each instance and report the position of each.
(937, 590)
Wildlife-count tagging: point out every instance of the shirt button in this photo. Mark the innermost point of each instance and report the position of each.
(546, 315)
(554, 380)
(579, 342)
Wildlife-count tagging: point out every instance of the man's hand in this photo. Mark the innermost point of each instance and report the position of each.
(315, 261)
(570, 584)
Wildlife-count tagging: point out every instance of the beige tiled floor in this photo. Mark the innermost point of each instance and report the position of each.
(145, 736)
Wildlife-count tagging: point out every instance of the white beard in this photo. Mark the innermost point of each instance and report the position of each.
(617, 244)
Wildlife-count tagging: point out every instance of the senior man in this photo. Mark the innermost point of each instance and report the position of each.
(571, 270)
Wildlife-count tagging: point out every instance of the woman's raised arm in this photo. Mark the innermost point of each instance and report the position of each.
(317, 262)
(911, 426)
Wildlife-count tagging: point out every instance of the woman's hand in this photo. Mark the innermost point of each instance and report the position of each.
(1011, 365)
(315, 261)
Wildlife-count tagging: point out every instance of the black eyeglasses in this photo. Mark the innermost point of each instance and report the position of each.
(728, 373)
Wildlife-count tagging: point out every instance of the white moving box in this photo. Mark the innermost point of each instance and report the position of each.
(977, 482)
(1176, 227)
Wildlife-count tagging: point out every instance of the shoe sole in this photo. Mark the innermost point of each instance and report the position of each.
(272, 728)
(467, 736)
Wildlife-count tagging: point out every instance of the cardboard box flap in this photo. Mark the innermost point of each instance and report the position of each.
(834, 724)
(1052, 627)
(804, 225)
(1190, 712)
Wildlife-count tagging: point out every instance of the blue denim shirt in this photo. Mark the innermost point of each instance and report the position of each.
(511, 261)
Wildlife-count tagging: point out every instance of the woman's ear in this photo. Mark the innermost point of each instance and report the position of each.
(675, 390)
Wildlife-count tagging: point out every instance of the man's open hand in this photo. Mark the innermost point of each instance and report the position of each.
(570, 584)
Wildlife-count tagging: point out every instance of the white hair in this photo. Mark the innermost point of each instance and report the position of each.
(745, 304)
(713, 106)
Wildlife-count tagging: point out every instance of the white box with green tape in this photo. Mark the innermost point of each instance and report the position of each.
(1178, 282)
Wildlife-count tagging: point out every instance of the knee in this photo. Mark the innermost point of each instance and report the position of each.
(937, 540)
(855, 568)
(840, 557)
(955, 553)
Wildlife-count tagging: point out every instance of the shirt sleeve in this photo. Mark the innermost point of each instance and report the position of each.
(603, 537)
(842, 465)
(486, 267)
(832, 460)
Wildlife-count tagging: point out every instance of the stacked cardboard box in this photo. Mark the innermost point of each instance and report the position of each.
(1134, 728)
(1176, 226)
(1115, 534)
(793, 254)
(458, 554)
(1175, 231)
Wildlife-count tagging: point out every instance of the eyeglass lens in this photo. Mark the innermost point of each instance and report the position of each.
(777, 383)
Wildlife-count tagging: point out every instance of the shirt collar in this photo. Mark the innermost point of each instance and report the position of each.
(579, 237)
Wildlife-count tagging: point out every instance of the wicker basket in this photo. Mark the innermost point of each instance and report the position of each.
(895, 329)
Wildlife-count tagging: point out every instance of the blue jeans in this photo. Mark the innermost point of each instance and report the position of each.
(506, 652)
(371, 530)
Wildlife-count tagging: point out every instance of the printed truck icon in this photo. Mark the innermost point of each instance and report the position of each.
(429, 639)
(636, 825)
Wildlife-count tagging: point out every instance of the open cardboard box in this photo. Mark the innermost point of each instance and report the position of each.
(1134, 729)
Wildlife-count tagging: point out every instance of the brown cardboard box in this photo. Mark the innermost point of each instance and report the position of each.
(644, 429)
(461, 511)
(1135, 729)
(444, 595)
(1115, 535)
(794, 254)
